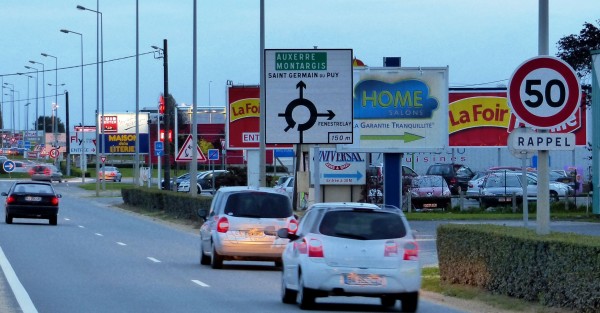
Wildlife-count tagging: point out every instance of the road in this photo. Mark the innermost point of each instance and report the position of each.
(103, 259)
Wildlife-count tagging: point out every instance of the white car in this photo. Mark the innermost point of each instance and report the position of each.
(351, 249)
(286, 186)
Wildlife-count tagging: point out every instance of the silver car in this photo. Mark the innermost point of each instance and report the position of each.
(242, 224)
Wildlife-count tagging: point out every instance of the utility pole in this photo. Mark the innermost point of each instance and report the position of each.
(168, 115)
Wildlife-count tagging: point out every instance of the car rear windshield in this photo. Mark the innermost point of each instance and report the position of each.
(33, 188)
(362, 225)
(258, 205)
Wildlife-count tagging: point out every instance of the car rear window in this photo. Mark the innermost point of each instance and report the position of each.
(33, 188)
(362, 225)
(258, 205)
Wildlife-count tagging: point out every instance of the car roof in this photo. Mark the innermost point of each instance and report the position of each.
(249, 188)
(344, 205)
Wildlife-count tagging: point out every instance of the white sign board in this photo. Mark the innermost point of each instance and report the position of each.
(542, 141)
(400, 110)
(308, 96)
(82, 140)
(340, 168)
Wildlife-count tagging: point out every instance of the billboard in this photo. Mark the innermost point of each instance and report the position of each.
(483, 118)
(399, 110)
(243, 119)
(123, 123)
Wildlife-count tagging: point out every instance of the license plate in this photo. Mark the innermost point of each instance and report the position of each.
(363, 279)
(30, 198)
(430, 205)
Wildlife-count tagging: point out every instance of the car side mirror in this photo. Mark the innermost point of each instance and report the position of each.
(284, 233)
(203, 213)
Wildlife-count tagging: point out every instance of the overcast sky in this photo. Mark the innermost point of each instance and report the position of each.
(482, 42)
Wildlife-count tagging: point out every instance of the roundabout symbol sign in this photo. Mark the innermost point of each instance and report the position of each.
(544, 92)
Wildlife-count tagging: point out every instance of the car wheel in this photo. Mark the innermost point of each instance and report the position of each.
(388, 302)
(204, 259)
(410, 302)
(53, 220)
(553, 196)
(216, 260)
(8, 219)
(279, 263)
(304, 297)
(288, 296)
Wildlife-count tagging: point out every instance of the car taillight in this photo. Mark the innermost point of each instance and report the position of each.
(223, 225)
(452, 180)
(47, 171)
(411, 251)
(10, 199)
(54, 200)
(391, 248)
(293, 226)
(315, 248)
(301, 246)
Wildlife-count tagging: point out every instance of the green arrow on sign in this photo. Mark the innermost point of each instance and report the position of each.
(407, 137)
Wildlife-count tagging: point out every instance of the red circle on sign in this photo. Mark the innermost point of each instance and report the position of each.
(520, 109)
(54, 153)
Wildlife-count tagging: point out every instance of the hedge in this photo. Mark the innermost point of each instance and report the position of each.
(177, 205)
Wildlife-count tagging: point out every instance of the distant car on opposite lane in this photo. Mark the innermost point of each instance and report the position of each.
(45, 172)
(110, 173)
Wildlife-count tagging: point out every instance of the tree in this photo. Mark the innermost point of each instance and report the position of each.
(49, 119)
(575, 50)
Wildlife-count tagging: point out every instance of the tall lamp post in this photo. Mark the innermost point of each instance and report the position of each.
(54, 128)
(29, 77)
(82, 158)
(37, 116)
(43, 99)
(99, 130)
(12, 89)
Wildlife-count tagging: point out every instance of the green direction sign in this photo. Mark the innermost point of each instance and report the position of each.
(300, 61)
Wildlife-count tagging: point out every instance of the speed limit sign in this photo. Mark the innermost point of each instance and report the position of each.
(544, 92)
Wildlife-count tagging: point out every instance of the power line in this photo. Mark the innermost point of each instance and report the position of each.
(76, 66)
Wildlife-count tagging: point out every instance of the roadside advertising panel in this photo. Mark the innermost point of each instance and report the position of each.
(118, 133)
(243, 119)
(83, 140)
(340, 168)
(123, 143)
(483, 118)
(399, 110)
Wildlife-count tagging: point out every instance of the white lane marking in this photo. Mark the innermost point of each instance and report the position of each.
(67, 219)
(200, 283)
(81, 226)
(16, 286)
(99, 235)
(153, 259)
(120, 243)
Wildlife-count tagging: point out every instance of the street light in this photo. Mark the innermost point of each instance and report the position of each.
(54, 128)
(37, 116)
(12, 89)
(82, 157)
(43, 97)
(99, 130)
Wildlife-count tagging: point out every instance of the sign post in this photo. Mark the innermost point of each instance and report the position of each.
(543, 93)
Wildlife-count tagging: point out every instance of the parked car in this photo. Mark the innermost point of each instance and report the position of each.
(110, 173)
(29, 199)
(351, 249)
(286, 186)
(499, 187)
(45, 172)
(175, 181)
(375, 177)
(204, 181)
(430, 191)
(242, 225)
(457, 176)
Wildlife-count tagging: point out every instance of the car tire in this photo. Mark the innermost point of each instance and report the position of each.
(304, 297)
(553, 196)
(8, 219)
(288, 296)
(204, 259)
(216, 260)
(388, 301)
(410, 302)
(53, 220)
(279, 263)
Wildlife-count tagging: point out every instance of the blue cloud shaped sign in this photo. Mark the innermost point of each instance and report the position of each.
(407, 99)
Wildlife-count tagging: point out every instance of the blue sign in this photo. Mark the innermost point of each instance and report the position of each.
(8, 166)
(27, 144)
(123, 143)
(158, 152)
(213, 154)
(159, 146)
(284, 153)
